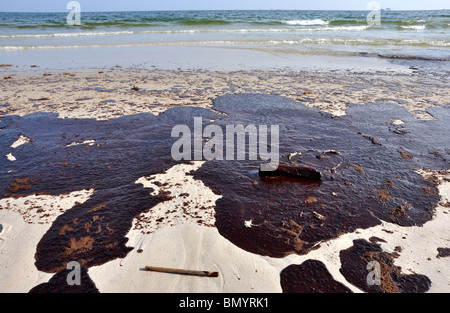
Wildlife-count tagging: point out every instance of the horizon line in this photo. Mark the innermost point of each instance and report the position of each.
(187, 10)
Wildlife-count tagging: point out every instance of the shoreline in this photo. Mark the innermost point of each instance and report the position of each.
(113, 92)
(191, 57)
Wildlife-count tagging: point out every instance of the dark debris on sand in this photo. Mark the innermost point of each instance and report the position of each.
(362, 185)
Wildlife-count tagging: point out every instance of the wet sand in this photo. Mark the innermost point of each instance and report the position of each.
(94, 181)
(115, 91)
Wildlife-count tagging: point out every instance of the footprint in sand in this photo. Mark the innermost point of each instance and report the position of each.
(4, 228)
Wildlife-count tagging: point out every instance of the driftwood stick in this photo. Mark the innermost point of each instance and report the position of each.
(181, 271)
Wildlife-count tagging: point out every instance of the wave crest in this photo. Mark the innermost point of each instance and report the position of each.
(306, 22)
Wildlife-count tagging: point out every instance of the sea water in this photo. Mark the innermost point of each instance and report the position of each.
(400, 35)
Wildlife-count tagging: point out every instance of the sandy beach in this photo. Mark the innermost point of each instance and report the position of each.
(114, 91)
(181, 232)
(123, 149)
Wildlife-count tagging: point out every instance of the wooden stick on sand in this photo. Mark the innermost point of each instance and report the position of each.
(181, 271)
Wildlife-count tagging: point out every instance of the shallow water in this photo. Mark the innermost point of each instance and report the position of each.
(305, 31)
(292, 34)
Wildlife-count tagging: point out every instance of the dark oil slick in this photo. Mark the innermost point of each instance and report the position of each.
(365, 179)
(354, 262)
(58, 284)
(311, 276)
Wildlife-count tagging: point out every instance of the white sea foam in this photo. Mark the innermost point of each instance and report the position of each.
(414, 27)
(187, 31)
(339, 28)
(306, 22)
(312, 40)
(79, 34)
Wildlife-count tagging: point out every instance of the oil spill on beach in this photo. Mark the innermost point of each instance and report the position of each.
(442, 252)
(354, 268)
(66, 155)
(311, 276)
(58, 283)
(364, 177)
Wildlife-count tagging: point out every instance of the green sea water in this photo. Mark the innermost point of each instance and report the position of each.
(423, 35)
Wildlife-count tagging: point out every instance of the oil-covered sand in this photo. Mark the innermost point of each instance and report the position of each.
(94, 181)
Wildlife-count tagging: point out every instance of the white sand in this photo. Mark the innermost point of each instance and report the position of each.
(10, 157)
(397, 122)
(89, 142)
(23, 226)
(190, 200)
(21, 141)
(187, 246)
